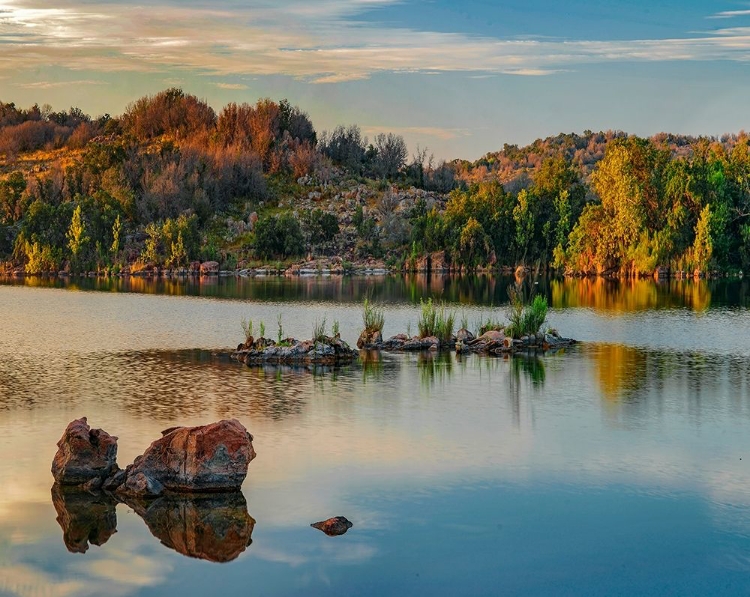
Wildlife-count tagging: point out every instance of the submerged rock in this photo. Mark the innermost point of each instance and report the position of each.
(85, 456)
(208, 458)
(338, 525)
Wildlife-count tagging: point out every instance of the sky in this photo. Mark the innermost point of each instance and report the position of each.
(460, 78)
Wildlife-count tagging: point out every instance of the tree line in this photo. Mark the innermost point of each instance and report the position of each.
(171, 181)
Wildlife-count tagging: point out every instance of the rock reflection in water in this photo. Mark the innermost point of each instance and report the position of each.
(213, 527)
(84, 517)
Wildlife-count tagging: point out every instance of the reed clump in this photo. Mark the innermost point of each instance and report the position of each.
(436, 320)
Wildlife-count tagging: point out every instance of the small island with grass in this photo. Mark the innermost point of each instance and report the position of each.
(525, 330)
(321, 349)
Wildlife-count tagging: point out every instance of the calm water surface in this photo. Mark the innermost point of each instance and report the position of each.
(620, 467)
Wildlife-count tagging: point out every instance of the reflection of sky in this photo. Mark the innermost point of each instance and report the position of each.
(617, 464)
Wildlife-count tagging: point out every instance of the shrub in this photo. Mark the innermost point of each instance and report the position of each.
(279, 236)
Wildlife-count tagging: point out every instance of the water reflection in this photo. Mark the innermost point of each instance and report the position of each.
(613, 295)
(216, 527)
(434, 367)
(371, 362)
(632, 295)
(529, 365)
(84, 517)
(636, 383)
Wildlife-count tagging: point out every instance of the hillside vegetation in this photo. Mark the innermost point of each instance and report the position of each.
(171, 182)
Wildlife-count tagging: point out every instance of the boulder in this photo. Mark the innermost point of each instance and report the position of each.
(431, 343)
(338, 525)
(493, 336)
(209, 268)
(463, 335)
(369, 338)
(84, 456)
(209, 458)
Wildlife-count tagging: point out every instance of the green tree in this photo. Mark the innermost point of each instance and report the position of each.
(116, 231)
(474, 244)
(77, 238)
(523, 216)
(703, 246)
(11, 198)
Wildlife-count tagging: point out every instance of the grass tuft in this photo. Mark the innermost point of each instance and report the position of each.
(436, 321)
(373, 317)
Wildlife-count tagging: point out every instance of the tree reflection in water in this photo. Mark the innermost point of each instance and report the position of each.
(213, 527)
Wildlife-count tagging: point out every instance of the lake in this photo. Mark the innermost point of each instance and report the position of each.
(618, 467)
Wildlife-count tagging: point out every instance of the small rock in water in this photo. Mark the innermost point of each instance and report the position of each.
(338, 525)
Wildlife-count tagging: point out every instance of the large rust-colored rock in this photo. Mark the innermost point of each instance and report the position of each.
(208, 458)
(84, 517)
(85, 456)
(215, 527)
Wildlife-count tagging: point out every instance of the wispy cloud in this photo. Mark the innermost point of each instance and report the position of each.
(320, 42)
(231, 86)
(730, 14)
(55, 84)
(534, 72)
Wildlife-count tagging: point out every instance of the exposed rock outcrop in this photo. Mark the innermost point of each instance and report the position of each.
(84, 456)
(338, 525)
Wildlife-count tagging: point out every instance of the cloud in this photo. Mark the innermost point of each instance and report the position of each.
(55, 84)
(534, 72)
(319, 42)
(730, 14)
(231, 86)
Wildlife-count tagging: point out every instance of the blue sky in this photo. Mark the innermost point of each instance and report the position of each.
(461, 78)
